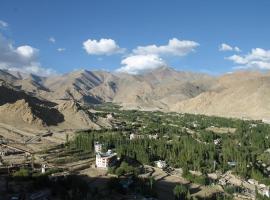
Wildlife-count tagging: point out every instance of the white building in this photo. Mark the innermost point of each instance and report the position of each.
(110, 116)
(105, 160)
(43, 168)
(217, 141)
(161, 164)
(155, 137)
(134, 136)
(98, 147)
(266, 192)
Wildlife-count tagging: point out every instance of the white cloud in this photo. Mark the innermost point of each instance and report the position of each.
(102, 47)
(136, 64)
(227, 47)
(3, 24)
(237, 49)
(61, 49)
(27, 51)
(146, 58)
(175, 47)
(23, 58)
(258, 58)
(52, 39)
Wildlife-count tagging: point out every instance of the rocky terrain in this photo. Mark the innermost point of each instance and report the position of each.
(241, 95)
(58, 101)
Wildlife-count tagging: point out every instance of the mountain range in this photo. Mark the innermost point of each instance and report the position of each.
(58, 100)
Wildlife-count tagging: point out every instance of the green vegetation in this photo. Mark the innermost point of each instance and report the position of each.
(202, 179)
(140, 186)
(22, 173)
(62, 155)
(180, 192)
(178, 153)
(258, 175)
(183, 140)
(265, 158)
(69, 187)
(124, 169)
(28, 174)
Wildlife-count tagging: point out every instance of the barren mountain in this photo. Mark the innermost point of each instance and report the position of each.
(75, 116)
(160, 88)
(240, 94)
(21, 109)
(7, 76)
(17, 104)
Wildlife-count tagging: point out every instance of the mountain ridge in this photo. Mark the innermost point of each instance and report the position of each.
(239, 94)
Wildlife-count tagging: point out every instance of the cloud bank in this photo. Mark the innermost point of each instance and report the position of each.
(145, 58)
(175, 47)
(258, 58)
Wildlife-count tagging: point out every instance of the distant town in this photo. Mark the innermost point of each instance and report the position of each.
(145, 155)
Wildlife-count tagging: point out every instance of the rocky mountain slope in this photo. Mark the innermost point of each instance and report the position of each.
(240, 94)
(21, 107)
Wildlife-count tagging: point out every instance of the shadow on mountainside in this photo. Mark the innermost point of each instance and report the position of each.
(42, 109)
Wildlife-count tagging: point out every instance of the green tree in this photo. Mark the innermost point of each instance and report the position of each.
(22, 173)
(151, 181)
(180, 192)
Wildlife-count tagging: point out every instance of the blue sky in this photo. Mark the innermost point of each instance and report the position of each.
(125, 24)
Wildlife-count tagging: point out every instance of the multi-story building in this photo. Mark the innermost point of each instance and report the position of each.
(105, 160)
